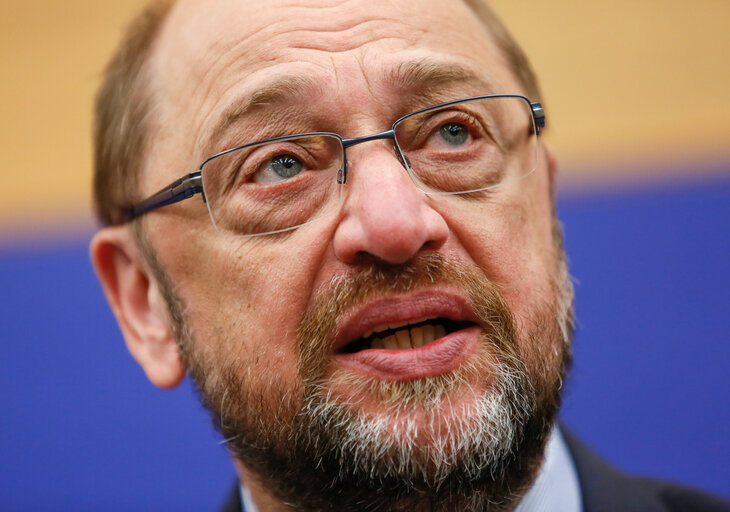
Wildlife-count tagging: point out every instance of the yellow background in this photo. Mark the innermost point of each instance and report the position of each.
(633, 91)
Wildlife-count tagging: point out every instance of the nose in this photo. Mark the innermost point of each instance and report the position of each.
(384, 215)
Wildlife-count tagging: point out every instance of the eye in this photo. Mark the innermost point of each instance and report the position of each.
(286, 166)
(454, 134)
(278, 168)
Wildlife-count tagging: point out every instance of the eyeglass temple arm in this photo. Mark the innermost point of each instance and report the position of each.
(175, 192)
(538, 114)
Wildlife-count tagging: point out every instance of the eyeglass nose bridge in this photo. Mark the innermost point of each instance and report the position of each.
(346, 143)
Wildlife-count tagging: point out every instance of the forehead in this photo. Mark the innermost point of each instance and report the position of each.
(344, 59)
(262, 31)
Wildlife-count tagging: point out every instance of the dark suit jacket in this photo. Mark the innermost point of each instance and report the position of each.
(605, 489)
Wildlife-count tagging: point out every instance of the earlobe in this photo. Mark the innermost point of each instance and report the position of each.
(136, 301)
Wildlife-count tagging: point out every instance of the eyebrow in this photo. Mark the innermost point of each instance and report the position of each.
(428, 82)
(281, 90)
(420, 76)
(423, 74)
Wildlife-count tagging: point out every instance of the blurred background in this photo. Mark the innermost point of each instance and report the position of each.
(638, 109)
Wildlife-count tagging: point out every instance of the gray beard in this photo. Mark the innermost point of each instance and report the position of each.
(481, 456)
(444, 459)
(313, 450)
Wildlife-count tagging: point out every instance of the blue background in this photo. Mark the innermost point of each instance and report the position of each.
(82, 429)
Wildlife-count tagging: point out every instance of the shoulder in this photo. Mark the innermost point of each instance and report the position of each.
(604, 488)
(679, 498)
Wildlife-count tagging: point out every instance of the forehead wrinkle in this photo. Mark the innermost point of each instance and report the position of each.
(199, 67)
(344, 30)
(298, 39)
(338, 27)
(368, 84)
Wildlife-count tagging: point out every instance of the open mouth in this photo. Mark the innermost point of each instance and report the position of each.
(405, 335)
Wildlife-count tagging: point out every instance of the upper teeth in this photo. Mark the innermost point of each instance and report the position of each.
(396, 325)
(408, 338)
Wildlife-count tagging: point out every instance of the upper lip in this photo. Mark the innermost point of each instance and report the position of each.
(412, 307)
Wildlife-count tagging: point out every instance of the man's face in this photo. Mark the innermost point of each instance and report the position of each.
(272, 327)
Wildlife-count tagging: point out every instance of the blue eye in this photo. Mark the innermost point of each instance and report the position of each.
(286, 166)
(454, 134)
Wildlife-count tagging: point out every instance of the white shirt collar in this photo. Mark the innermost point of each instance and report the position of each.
(246, 501)
(555, 488)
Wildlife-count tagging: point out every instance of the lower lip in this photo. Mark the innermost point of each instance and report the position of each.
(438, 357)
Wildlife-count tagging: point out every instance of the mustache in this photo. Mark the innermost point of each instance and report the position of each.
(317, 329)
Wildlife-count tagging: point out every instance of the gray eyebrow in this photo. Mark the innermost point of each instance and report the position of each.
(434, 81)
(423, 73)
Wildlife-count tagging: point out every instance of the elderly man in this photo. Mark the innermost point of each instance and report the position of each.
(352, 250)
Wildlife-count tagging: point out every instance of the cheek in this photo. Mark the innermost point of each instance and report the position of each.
(244, 300)
(510, 238)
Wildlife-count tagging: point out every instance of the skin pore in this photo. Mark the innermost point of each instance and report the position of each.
(254, 320)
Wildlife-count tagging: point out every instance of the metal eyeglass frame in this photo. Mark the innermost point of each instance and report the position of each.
(192, 184)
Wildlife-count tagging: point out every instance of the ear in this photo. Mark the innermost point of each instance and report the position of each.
(135, 299)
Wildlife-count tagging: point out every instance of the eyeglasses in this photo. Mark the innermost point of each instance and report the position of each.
(279, 184)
